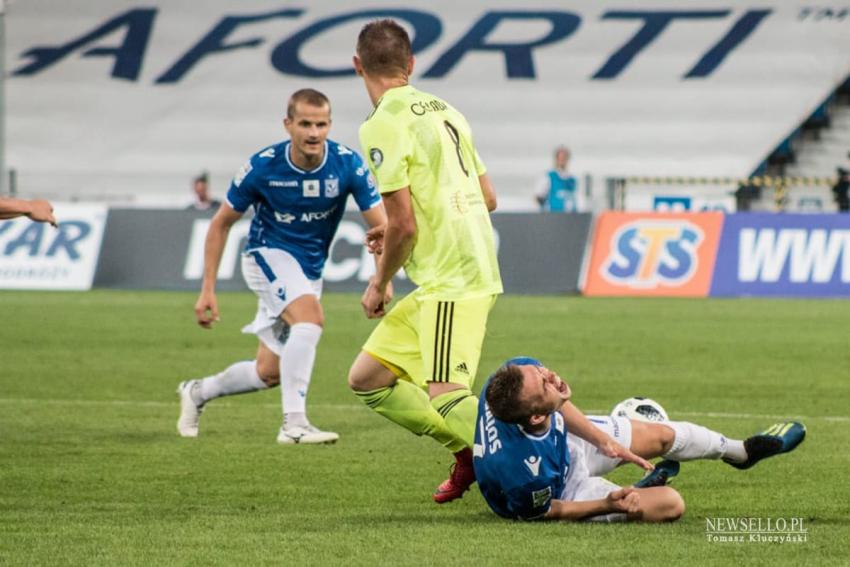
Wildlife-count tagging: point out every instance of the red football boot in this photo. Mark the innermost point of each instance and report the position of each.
(461, 478)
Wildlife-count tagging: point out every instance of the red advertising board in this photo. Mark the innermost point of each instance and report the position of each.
(653, 254)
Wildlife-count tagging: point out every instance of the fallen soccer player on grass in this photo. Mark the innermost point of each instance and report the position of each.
(537, 456)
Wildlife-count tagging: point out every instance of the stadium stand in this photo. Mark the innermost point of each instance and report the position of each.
(821, 157)
(120, 102)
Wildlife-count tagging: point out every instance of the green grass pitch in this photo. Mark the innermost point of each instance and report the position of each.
(92, 471)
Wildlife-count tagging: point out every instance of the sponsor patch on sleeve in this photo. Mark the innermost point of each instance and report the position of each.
(242, 173)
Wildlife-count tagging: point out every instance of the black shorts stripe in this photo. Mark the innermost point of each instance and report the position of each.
(437, 342)
(443, 341)
(443, 371)
(451, 309)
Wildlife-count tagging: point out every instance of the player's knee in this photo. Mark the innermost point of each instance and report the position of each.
(305, 309)
(367, 374)
(269, 373)
(317, 318)
(355, 380)
(358, 378)
(270, 381)
(674, 506)
(360, 381)
(666, 438)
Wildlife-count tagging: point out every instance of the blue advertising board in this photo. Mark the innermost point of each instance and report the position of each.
(790, 255)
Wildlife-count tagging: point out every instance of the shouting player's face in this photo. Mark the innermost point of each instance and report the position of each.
(542, 389)
(308, 129)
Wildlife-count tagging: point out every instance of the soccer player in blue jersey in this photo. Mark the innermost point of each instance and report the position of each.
(298, 190)
(536, 456)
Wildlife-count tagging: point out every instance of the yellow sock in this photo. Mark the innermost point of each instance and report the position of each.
(459, 409)
(408, 406)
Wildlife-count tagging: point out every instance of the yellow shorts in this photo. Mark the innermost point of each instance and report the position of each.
(432, 341)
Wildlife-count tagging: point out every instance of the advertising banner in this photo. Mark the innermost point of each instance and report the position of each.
(660, 254)
(164, 249)
(679, 198)
(38, 256)
(599, 75)
(806, 255)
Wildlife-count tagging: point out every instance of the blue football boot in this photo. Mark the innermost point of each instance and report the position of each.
(779, 438)
(664, 471)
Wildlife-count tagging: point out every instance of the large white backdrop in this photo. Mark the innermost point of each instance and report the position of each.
(132, 110)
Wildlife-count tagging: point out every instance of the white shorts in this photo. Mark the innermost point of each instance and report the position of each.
(587, 465)
(278, 280)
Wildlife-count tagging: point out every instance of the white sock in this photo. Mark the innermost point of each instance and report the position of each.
(296, 369)
(697, 442)
(237, 378)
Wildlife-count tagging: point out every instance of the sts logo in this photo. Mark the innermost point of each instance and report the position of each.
(648, 253)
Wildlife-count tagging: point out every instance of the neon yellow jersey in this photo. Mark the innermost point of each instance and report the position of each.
(414, 139)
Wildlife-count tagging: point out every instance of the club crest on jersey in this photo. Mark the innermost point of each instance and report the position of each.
(310, 187)
(331, 187)
(648, 253)
(377, 157)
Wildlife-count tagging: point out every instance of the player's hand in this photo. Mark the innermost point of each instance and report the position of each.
(375, 239)
(624, 500)
(614, 450)
(206, 310)
(42, 211)
(373, 299)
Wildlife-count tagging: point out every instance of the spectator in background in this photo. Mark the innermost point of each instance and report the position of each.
(558, 190)
(746, 195)
(201, 187)
(37, 210)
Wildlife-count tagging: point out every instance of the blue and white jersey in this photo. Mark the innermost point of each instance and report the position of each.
(299, 211)
(519, 473)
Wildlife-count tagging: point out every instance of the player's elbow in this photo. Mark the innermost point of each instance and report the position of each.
(491, 202)
(403, 229)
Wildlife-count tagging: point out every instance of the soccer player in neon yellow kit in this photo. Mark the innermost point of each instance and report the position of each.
(417, 367)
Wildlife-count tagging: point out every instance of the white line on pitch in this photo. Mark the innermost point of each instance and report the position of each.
(153, 403)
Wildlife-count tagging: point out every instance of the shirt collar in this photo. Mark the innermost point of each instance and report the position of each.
(298, 169)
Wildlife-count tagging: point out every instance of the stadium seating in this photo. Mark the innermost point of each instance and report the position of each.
(126, 105)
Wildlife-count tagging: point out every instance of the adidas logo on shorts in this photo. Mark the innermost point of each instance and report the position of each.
(462, 368)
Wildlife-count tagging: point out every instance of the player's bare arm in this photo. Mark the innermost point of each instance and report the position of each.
(399, 237)
(37, 210)
(625, 500)
(578, 424)
(206, 308)
(488, 192)
(376, 218)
